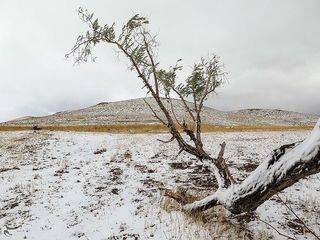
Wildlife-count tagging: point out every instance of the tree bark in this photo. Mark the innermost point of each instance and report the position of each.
(286, 166)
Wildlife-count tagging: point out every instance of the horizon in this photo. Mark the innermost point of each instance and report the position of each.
(76, 109)
(269, 49)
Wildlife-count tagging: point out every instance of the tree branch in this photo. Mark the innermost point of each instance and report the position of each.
(173, 113)
(298, 218)
(154, 70)
(185, 104)
(163, 141)
(154, 113)
(280, 233)
(222, 162)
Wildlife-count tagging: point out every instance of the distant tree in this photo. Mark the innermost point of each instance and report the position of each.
(287, 165)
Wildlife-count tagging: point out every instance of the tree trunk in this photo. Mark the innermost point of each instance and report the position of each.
(286, 166)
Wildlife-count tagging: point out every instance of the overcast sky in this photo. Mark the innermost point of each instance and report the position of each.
(270, 48)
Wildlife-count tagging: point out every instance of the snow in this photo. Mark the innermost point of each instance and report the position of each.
(136, 111)
(62, 190)
(263, 175)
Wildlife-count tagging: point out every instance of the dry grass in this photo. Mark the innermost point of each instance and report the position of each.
(154, 128)
(212, 224)
(253, 128)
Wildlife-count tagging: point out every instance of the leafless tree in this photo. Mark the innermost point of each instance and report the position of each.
(286, 165)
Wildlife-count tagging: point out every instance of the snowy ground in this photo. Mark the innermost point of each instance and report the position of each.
(60, 185)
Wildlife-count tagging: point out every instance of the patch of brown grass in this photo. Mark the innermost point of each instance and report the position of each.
(153, 128)
(116, 128)
(252, 128)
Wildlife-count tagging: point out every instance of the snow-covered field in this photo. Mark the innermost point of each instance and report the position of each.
(64, 185)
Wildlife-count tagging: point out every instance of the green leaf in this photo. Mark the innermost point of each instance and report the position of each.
(95, 24)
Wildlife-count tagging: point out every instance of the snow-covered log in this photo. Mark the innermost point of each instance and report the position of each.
(286, 166)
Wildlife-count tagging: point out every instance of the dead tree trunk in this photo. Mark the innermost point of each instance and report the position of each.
(286, 166)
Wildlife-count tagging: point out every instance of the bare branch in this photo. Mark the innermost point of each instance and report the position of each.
(154, 70)
(180, 151)
(223, 164)
(274, 228)
(202, 205)
(185, 104)
(173, 113)
(163, 141)
(154, 113)
(298, 218)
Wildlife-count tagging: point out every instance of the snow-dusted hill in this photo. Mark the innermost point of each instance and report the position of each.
(136, 111)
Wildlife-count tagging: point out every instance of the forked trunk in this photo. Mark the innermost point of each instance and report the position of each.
(286, 166)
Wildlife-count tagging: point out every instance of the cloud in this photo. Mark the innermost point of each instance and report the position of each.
(270, 49)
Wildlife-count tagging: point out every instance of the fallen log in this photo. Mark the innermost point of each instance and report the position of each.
(286, 166)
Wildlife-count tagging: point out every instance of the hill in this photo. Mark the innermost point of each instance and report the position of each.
(135, 112)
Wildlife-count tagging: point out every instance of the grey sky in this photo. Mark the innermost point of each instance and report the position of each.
(270, 48)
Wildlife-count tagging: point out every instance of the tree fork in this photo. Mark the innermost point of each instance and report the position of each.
(269, 178)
